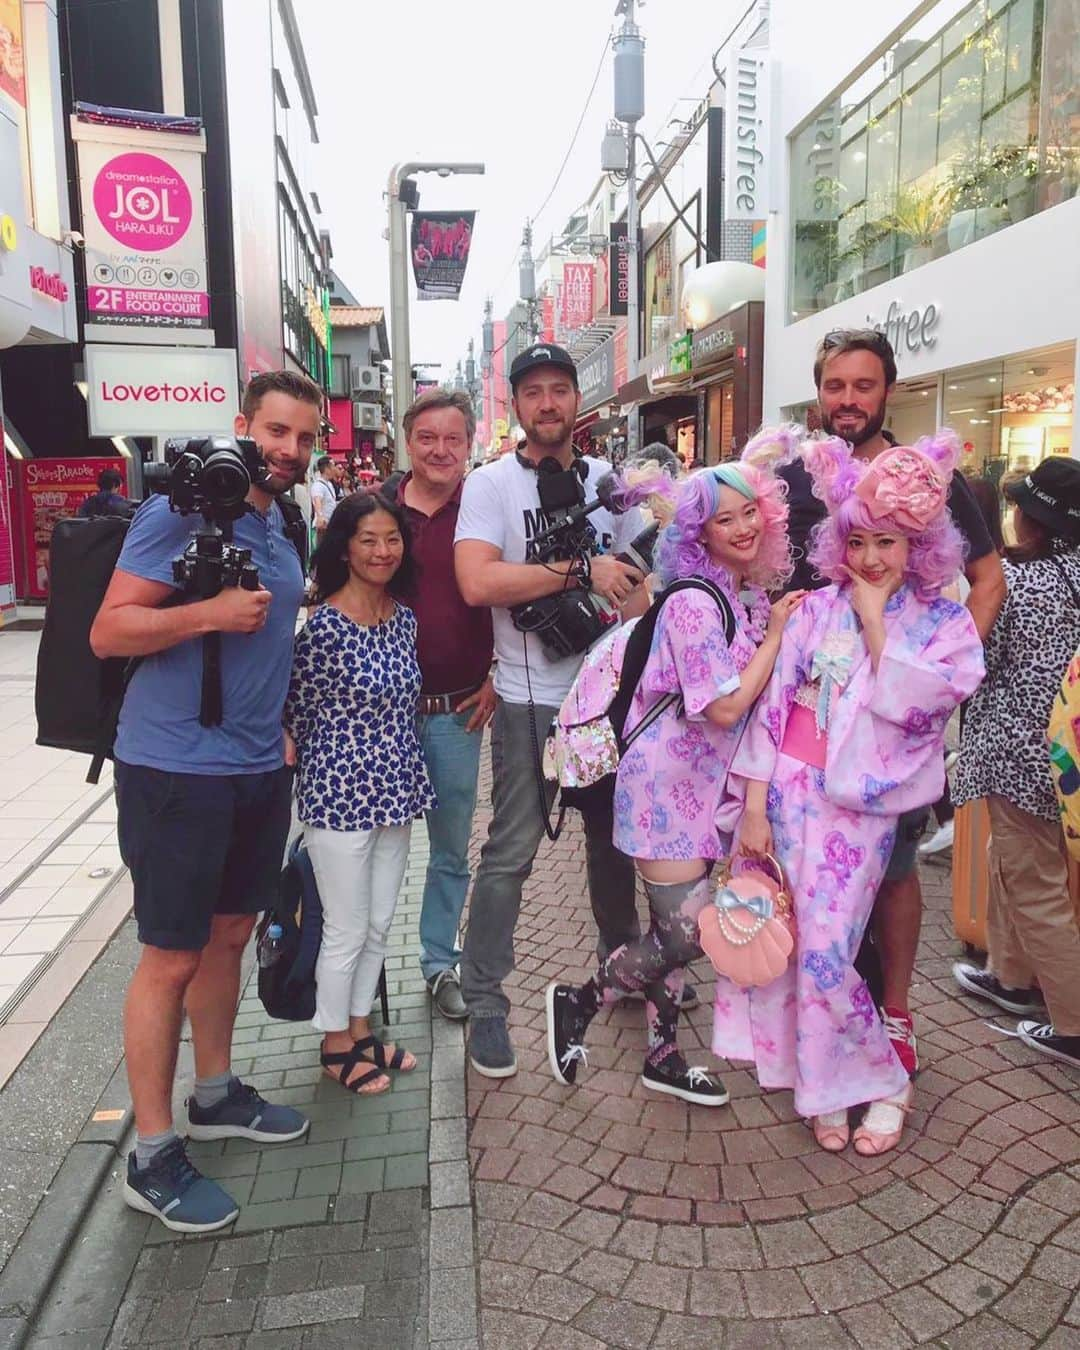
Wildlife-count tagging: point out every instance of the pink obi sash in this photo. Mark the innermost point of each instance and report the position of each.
(801, 739)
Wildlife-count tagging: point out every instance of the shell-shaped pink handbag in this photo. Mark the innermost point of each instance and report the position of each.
(748, 932)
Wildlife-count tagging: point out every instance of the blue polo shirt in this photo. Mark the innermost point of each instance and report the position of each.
(159, 722)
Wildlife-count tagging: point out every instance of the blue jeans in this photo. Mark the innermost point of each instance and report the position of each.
(452, 755)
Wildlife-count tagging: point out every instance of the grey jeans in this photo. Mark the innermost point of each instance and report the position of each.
(506, 860)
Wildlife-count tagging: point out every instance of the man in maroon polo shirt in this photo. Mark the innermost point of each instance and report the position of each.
(454, 645)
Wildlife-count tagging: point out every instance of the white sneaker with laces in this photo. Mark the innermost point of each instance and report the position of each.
(939, 841)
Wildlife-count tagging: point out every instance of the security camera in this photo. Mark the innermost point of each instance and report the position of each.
(73, 239)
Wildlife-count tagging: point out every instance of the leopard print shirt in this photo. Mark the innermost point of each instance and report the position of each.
(1003, 748)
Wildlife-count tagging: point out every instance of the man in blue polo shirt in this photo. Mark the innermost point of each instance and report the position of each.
(203, 812)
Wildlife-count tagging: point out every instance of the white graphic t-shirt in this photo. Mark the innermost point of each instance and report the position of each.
(500, 504)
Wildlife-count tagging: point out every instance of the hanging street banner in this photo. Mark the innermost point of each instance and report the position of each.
(576, 296)
(141, 192)
(440, 244)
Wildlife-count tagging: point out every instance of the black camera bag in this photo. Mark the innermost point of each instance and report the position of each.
(77, 695)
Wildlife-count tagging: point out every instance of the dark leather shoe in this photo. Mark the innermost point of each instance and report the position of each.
(445, 990)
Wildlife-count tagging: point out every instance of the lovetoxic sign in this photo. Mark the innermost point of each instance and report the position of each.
(160, 391)
(142, 200)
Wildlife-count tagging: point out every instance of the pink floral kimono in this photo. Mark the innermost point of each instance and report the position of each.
(845, 751)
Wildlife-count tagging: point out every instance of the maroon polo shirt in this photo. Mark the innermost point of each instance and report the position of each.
(454, 640)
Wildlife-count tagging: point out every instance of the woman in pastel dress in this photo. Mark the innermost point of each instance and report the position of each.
(848, 736)
(729, 527)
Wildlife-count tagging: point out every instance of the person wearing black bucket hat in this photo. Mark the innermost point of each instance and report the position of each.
(1032, 933)
(1050, 495)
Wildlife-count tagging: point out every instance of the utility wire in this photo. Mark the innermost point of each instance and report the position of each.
(680, 211)
(569, 152)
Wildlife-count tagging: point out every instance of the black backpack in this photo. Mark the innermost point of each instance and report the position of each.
(287, 967)
(77, 695)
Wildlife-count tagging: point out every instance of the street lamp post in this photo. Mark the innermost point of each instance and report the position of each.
(629, 47)
(397, 206)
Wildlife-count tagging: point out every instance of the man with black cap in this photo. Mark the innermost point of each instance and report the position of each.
(500, 514)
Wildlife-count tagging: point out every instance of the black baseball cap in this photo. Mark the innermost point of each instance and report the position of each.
(1050, 494)
(542, 354)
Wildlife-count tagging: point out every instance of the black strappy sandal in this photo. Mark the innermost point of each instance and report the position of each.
(378, 1055)
(348, 1060)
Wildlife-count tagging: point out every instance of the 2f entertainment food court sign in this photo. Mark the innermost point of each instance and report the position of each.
(142, 208)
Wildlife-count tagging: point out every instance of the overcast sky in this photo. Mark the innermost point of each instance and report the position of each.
(500, 81)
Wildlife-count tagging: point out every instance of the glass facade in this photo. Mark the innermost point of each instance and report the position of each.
(1012, 413)
(974, 126)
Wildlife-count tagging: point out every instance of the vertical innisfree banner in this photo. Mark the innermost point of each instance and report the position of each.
(440, 252)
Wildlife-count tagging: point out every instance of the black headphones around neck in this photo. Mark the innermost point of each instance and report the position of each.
(578, 466)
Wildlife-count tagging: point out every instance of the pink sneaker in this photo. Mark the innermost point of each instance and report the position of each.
(901, 1032)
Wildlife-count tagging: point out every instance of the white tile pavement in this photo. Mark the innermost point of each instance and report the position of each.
(58, 847)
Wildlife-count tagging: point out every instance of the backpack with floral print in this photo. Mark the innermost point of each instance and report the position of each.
(586, 739)
(1063, 733)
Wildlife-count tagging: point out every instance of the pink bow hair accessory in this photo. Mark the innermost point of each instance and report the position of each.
(903, 486)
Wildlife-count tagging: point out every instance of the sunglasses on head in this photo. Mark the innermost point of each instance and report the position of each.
(874, 338)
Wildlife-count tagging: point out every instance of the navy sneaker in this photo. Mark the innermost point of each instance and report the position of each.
(490, 1051)
(243, 1114)
(177, 1193)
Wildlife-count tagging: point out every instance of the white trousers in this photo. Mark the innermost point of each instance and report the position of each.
(359, 874)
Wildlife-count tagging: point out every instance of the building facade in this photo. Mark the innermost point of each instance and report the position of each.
(172, 224)
(931, 192)
(38, 325)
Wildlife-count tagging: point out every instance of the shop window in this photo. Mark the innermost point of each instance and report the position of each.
(1014, 413)
(975, 126)
(339, 377)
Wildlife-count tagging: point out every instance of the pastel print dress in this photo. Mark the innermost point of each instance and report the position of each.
(670, 782)
(816, 1029)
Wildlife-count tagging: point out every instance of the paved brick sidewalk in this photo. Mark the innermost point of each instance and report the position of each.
(336, 1233)
(608, 1217)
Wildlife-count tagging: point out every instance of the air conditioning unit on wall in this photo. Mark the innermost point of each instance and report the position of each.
(366, 380)
(367, 416)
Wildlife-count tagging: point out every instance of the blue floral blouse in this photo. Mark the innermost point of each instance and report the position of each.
(351, 709)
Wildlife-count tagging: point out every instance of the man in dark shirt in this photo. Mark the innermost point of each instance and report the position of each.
(107, 500)
(454, 646)
(855, 372)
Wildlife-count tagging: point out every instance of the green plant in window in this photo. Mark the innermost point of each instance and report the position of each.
(922, 212)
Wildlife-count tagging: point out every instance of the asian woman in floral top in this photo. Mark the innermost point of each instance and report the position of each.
(351, 710)
(729, 528)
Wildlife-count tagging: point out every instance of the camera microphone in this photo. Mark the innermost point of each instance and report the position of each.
(639, 552)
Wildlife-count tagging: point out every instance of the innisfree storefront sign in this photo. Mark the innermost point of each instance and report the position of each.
(908, 330)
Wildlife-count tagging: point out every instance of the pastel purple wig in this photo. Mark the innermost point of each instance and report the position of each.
(935, 554)
(682, 551)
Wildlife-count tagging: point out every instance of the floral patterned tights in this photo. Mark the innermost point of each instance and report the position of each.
(656, 963)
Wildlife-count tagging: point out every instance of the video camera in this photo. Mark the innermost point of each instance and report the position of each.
(572, 619)
(210, 476)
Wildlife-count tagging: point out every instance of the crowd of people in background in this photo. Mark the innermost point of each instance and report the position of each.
(820, 608)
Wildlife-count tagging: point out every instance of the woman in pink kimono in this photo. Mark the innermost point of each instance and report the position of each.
(730, 529)
(848, 736)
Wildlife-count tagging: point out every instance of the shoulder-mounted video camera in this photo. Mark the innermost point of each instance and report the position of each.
(572, 619)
